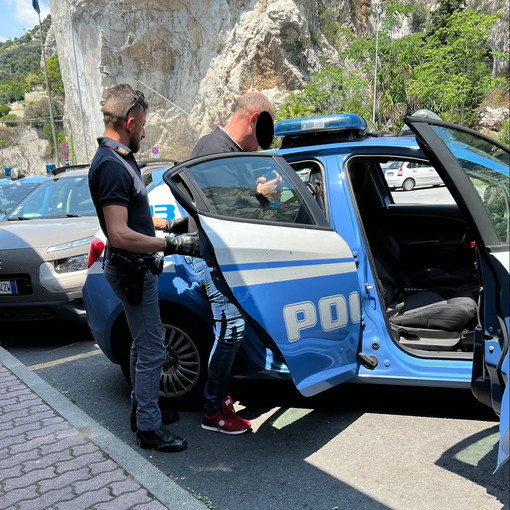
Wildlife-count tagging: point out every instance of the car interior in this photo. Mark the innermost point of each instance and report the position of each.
(423, 261)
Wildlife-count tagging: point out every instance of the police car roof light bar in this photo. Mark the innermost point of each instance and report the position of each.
(337, 122)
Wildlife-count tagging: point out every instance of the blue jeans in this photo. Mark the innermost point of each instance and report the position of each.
(228, 333)
(147, 350)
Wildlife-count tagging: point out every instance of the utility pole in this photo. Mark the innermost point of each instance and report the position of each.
(377, 6)
(35, 5)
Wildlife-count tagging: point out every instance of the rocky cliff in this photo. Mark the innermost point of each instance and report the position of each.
(191, 59)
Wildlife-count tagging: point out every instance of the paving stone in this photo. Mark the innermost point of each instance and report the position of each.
(98, 482)
(126, 500)
(9, 500)
(30, 479)
(87, 500)
(88, 459)
(48, 464)
(65, 479)
(48, 499)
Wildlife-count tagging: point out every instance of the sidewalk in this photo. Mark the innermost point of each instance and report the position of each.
(55, 456)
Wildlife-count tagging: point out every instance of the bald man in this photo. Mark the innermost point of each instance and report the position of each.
(239, 134)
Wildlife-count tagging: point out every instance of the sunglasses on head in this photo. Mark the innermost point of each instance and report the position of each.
(140, 98)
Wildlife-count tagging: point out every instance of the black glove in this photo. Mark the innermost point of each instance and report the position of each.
(178, 226)
(184, 244)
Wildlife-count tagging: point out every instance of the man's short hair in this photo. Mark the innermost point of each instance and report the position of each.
(253, 101)
(119, 101)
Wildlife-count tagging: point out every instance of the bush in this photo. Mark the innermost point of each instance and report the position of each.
(7, 118)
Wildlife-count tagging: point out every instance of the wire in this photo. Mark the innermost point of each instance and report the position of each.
(173, 104)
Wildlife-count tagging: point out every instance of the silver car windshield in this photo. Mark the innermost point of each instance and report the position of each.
(56, 198)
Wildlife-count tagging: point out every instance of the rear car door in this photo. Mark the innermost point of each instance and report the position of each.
(277, 257)
(476, 170)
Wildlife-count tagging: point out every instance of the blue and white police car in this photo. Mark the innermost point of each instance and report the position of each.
(338, 280)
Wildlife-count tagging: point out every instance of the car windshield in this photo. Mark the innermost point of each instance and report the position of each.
(66, 196)
(11, 194)
(487, 166)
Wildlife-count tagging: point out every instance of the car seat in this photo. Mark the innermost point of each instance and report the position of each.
(442, 318)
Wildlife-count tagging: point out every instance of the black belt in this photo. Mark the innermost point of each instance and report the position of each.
(110, 250)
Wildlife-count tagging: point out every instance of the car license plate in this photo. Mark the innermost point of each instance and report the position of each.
(389, 174)
(8, 287)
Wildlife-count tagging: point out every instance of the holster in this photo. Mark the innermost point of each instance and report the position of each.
(132, 277)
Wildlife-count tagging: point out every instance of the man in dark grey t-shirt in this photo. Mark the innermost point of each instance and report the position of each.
(251, 126)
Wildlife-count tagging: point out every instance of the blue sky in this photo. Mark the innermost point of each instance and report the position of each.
(18, 16)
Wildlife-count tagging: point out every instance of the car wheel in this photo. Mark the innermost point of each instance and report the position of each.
(408, 185)
(185, 368)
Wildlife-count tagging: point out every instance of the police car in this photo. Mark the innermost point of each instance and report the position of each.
(337, 281)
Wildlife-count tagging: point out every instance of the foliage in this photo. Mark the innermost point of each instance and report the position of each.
(504, 133)
(4, 109)
(330, 91)
(20, 64)
(441, 17)
(54, 76)
(446, 69)
(11, 91)
(9, 117)
(454, 77)
(293, 108)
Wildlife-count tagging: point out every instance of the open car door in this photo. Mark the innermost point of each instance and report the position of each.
(276, 256)
(476, 170)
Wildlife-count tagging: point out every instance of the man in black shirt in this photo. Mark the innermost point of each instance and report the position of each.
(131, 262)
(251, 125)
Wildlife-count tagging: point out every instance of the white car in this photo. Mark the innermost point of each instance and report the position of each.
(409, 174)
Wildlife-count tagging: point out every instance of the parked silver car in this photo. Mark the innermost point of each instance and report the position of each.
(409, 174)
(44, 242)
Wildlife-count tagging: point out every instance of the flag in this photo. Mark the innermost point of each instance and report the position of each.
(35, 5)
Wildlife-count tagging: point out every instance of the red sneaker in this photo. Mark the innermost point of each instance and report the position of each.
(226, 420)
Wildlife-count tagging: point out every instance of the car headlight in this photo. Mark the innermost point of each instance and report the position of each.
(70, 244)
(69, 264)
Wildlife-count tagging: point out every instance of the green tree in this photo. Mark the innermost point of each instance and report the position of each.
(504, 133)
(293, 108)
(455, 76)
(441, 17)
(54, 76)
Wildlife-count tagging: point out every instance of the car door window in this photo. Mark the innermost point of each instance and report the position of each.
(414, 182)
(229, 186)
(486, 165)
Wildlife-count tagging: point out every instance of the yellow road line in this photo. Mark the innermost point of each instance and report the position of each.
(56, 362)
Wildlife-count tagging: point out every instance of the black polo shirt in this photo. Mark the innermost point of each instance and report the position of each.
(113, 182)
(214, 143)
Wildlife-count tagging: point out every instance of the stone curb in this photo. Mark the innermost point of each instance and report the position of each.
(165, 490)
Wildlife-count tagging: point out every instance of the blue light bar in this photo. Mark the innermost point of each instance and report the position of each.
(337, 122)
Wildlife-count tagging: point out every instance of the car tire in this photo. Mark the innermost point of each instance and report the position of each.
(184, 371)
(408, 185)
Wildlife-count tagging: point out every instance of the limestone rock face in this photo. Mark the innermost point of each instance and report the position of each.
(27, 153)
(492, 119)
(191, 59)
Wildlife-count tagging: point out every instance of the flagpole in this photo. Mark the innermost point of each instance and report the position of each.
(55, 152)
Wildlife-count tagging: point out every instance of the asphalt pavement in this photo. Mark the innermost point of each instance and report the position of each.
(55, 456)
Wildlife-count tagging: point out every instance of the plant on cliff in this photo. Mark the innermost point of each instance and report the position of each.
(455, 74)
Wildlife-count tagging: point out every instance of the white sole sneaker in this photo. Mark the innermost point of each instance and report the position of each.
(223, 431)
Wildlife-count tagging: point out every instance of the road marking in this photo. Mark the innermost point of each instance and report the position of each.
(60, 361)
